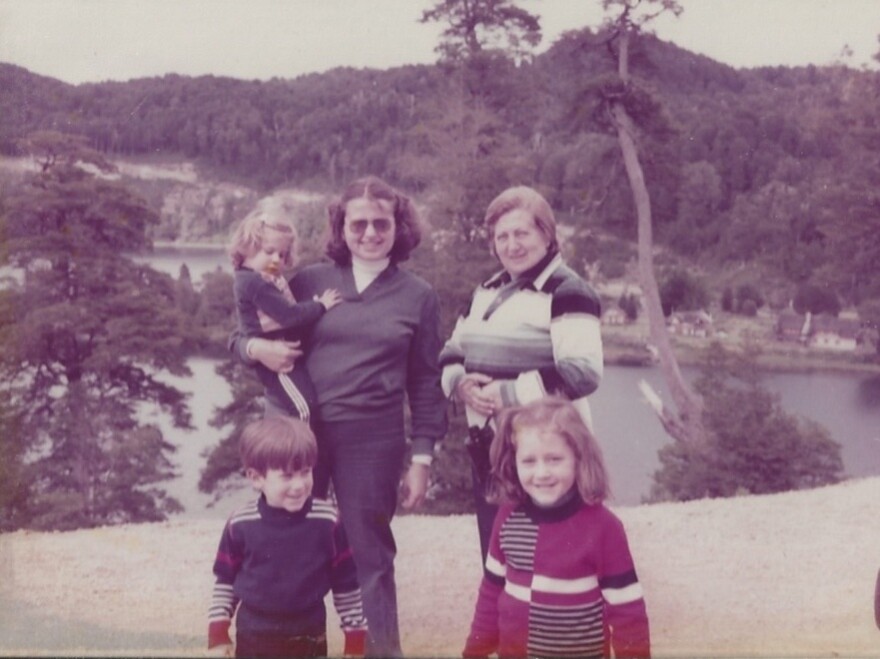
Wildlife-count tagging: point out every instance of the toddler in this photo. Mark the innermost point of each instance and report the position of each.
(261, 249)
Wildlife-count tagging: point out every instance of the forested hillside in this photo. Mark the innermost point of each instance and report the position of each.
(763, 183)
(776, 166)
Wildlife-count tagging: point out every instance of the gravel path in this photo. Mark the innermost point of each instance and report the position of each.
(790, 574)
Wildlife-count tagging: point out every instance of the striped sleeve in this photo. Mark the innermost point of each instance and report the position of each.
(452, 358)
(624, 602)
(223, 599)
(484, 635)
(575, 333)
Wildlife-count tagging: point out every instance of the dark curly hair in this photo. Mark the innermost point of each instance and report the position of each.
(407, 229)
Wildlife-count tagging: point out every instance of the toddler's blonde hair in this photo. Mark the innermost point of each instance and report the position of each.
(247, 239)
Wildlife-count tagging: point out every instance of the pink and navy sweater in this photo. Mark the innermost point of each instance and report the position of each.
(275, 567)
(559, 583)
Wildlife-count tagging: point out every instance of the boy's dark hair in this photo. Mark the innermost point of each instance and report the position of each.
(278, 443)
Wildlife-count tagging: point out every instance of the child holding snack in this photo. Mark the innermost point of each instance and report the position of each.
(559, 579)
(261, 249)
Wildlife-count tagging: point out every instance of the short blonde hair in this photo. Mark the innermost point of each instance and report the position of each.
(278, 442)
(247, 239)
(549, 415)
(527, 199)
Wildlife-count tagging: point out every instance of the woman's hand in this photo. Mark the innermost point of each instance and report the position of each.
(473, 390)
(492, 392)
(278, 356)
(415, 485)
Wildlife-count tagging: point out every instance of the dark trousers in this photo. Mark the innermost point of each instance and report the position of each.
(364, 461)
(276, 645)
(485, 511)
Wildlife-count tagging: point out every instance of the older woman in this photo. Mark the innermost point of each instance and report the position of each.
(531, 330)
(365, 357)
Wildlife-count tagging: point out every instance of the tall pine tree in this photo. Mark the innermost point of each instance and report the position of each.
(86, 335)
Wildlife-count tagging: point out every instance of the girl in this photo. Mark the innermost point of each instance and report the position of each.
(559, 579)
(260, 249)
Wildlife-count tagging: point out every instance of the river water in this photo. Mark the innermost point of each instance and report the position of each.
(847, 405)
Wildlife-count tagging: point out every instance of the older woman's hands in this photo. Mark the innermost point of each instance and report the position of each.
(278, 356)
(476, 390)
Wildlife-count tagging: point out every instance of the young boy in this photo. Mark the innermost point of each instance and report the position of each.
(280, 555)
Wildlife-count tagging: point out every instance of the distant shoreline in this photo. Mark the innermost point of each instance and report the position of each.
(165, 244)
(773, 358)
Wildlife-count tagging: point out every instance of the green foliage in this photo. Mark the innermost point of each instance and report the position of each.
(13, 480)
(754, 445)
(474, 25)
(746, 293)
(223, 461)
(749, 308)
(631, 305)
(682, 291)
(451, 485)
(86, 334)
(778, 167)
(727, 299)
(815, 299)
(215, 317)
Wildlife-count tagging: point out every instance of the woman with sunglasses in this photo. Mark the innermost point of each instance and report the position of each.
(379, 347)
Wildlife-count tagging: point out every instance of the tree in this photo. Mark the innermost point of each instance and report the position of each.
(630, 305)
(473, 25)
(746, 293)
(699, 201)
(223, 461)
(727, 299)
(622, 104)
(681, 291)
(89, 335)
(754, 446)
(462, 157)
(815, 299)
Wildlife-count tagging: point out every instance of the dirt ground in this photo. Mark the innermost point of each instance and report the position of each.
(785, 575)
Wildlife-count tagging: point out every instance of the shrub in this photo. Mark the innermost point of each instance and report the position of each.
(748, 293)
(816, 299)
(754, 446)
(749, 308)
(630, 304)
(727, 300)
(682, 291)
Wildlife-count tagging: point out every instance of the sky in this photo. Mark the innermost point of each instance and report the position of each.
(94, 40)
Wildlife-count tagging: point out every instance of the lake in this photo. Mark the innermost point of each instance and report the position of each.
(847, 405)
(200, 259)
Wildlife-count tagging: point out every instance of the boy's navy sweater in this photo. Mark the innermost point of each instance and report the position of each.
(278, 566)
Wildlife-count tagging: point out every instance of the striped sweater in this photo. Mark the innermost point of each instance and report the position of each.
(538, 333)
(276, 567)
(559, 583)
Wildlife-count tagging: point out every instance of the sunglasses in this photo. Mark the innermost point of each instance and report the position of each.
(380, 225)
